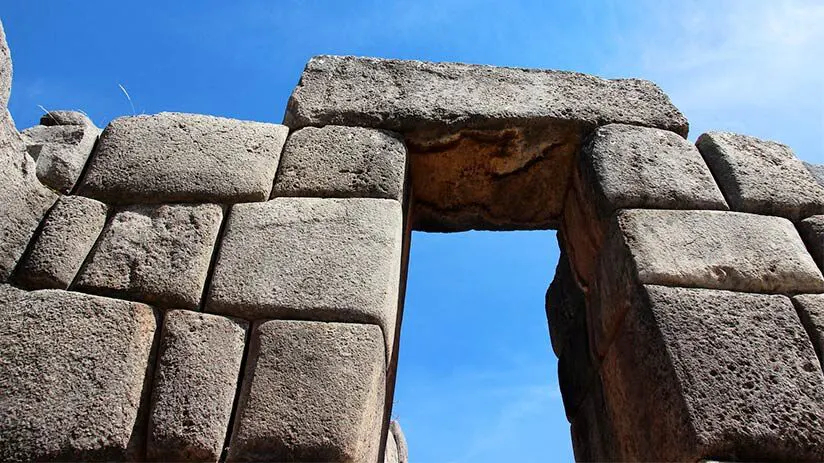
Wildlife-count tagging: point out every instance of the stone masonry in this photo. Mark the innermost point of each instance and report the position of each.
(181, 287)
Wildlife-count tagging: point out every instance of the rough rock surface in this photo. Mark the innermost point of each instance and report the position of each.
(811, 311)
(154, 254)
(593, 437)
(402, 451)
(5, 70)
(390, 455)
(64, 117)
(342, 162)
(194, 388)
(174, 157)
(811, 230)
(702, 373)
(61, 151)
(760, 176)
(72, 375)
(490, 147)
(312, 391)
(68, 234)
(311, 259)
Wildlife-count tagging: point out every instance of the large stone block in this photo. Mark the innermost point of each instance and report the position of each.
(490, 148)
(154, 254)
(312, 391)
(705, 249)
(760, 176)
(61, 151)
(194, 388)
(72, 376)
(593, 436)
(65, 117)
(811, 230)
(69, 232)
(311, 259)
(174, 157)
(700, 373)
(342, 162)
(811, 311)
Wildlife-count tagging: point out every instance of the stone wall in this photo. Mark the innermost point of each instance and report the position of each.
(181, 287)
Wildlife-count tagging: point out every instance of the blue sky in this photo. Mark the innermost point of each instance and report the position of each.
(477, 376)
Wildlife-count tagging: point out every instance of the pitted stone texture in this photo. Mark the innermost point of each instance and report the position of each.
(61, 152)
(23, 199)
(154, 254)
(811, 230)
(68, 234)
(760, 176)
(343, 162)
(490, 148)
(639, 167)
(407, 96)
(311, 259)
(817, 170)
(811, 311)
(174, 157)
(5, 70)
(72, 376)
(702, 373)
(64, 117)
(312, 391)
(194, 388)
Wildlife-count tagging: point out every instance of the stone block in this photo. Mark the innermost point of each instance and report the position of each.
(342, 162)
(194, 389)
(311, 259)
(810, 309)
(72, 376)
(390, 454)
(5, 70)
(760, 176)
(154, 254)
(699, 373)
(68, 234)
(61, 152)
(401, 449)
(811, 230)
(705, 249)
(63, 117)
(593, 436)
(565, 306)
(174, 157)
(312, 391)
(490, 148)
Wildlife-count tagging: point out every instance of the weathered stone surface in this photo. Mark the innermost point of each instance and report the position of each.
(312, 391)
(174, 157)
(811, 230)
(490, 148)
(564, 306)
(61, 152)
(593, 437)
(811, 311)
(760, 176)
(706, 249)
(72, 375)
(194, 388)
(402, 451)
(68, 234)
(5, 70)
(64, 117)
(154, 254)
(390, 455)
(702, 373)
(342, 162)
(23, 200)
(311, 259)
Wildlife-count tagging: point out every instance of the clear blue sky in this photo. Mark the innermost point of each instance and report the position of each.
(477, 378)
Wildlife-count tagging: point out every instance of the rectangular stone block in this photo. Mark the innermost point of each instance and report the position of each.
(174, 157)
(760, 176)
(490, 148)
(69, 232)
(342, 162)
(312, 391)
(311, 259)
(72, 376)
(154, 254)
(60, 150)
(811, 230)
(194, 388)
(810, 309)
(699, 373)
(705, 249)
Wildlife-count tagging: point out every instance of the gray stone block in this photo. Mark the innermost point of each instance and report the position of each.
(639, 167)
(390, 455)
(23, 200)
(72, 376)
(760, 176)
(5, 70)
(154, 254)
(312, 391)
(311, 259)
(194, 388)
(406, 96)
(811, 230)
(342, 162)
(174, 157)
(61, 152)
(810, 309)
(64, 117)
(700, 373)
(69, 232)
(400, 441)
